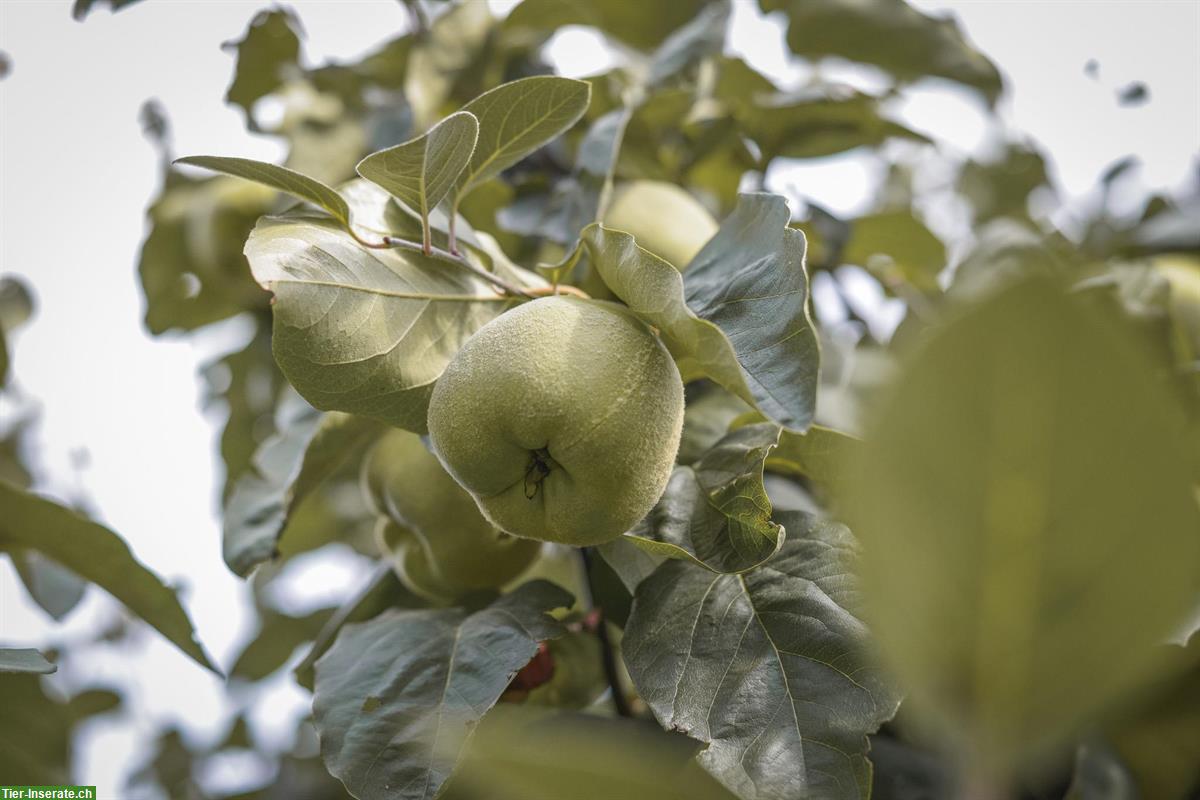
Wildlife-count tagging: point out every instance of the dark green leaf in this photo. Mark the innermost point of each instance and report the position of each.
(423, 170)
(265, 55)
(25, 660)
(289, 466)
(642, 25)
(768, 668)
(631, 563)
(277, 639)
(1024, 491)
(365, 332)
(396, 698)
(517, 118)
(84, 7)
(821, 454)
(701, 37)
(890, 34)
(277, 177)
(715, 512)
(749, 281)
(98, 555)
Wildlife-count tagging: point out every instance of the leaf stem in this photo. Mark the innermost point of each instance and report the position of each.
(608, 657)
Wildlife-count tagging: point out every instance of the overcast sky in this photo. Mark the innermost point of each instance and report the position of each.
(76, 175)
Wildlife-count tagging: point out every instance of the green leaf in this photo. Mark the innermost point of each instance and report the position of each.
(750, 281)
(821, 454)
(191, 265)
(84, 7)
(35, 739)
(396, 698)
(267, 52)
(715, 512)
(365, 332)
(277, 638)
(1024, 492)
(642, 25)
(631, 563)
(25, 660)
(423, 170)
(890, 34)
(288, 467)
(383, 590)
(16, 306)
(277, 177)
(517, 118)
(98, 555)
(701, 37)
(768, 668)
(896, 246)
(707, 418)
(813, 123)
(524, 753)
(56, 589)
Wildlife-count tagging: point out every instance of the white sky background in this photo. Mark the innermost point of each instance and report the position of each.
(76, 176)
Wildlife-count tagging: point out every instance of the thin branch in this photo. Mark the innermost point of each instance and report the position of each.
(608, 655)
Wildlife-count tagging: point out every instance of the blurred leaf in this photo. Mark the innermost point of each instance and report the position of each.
(306, 450)
(642, 25)
(897, 247)
(191, 265)
(702, 36)
(54, 588)
(890, 34)
(96, 554)
(1100, 775)
(1027, 461)
(365, 332)
(523, 753)
(517, 118)
(749, 281)
(812, 123)
(1001, 187)
(35, 739)
(444, 57)
(423, 170)
(396, 698)
(381, 592)
(1177, 229)
(902, 772)
(277, 177)
(265, 55)
(1134, 94)
(16, 306)
(715, 512)
(93, 702)
(1005, 251)
(768, 668)
(708, 418)
(278, 637)
(25, 660)
(84, 7)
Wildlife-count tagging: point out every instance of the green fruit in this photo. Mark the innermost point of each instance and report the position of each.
(562, 418)
(663, 218)
(442, 547)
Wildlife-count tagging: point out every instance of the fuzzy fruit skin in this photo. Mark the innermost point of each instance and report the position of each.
(584, 386)
(441, 545)
(663, 218)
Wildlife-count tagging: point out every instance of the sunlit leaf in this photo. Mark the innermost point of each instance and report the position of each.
(1024, 492)
(396, 698)
(715, 512)
(277, 177)
(98, 555)
(421, 171)
(769, 668)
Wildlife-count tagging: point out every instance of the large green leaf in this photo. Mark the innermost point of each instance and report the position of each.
(1024, 502)
(768, 668)
(890, 34)
(288, 467)
(396, 698)
(421, 171)
(24, 660)
(517, 118)
(364, 331)
(96, 554)
(715, 512)
(750, 281)
(277, 177)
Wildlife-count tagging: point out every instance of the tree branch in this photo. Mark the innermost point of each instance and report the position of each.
(608, 656)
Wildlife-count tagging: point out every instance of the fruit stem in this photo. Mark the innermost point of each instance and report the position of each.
(608, 657)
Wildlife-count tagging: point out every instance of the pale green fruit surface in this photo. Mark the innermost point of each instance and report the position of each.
(441, 545)
(663, 218)
(562, 417)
